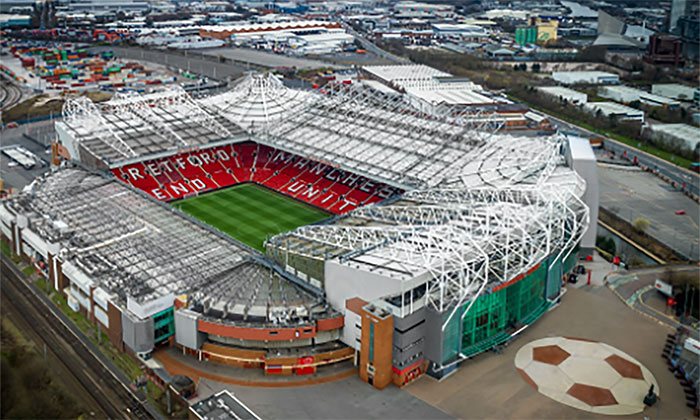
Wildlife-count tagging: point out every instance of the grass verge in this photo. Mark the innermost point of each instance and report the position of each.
(5, 248)
(28, 271)
(121, 360)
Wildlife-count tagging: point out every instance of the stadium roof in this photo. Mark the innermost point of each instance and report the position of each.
(374, 135)
(135, 247)
(131, 126)
(514, 203)
(403, 74)
(481, 206)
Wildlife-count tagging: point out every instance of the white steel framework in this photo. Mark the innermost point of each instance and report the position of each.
(482, 206)
(129, 125)
(512, 206)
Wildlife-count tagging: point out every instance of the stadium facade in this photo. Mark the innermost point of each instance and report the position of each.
(447, 239)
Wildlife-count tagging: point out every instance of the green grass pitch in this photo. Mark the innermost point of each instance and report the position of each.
(249, 212)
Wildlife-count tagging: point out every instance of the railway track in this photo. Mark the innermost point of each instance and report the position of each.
(10, 95)
(107, 392)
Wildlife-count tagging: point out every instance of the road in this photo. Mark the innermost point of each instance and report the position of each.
(369, 46)
(28, 307)
(674, 172)
(636, 288)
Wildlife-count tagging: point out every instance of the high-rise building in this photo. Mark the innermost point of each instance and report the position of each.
(689, 30)
(678, 8)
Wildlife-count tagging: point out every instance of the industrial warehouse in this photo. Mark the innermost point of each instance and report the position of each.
(445, 236)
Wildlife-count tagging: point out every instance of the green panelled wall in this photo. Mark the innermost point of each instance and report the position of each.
(164, 324)
(554, 279)
(492, 314)
(571, 260)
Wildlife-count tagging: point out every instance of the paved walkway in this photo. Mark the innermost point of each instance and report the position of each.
(599, 268)
(178, 364)
(489, 386)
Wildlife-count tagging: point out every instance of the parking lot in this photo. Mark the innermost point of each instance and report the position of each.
(632, 193)
(13, 175)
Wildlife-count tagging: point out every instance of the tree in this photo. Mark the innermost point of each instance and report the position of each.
(536, 68)
(641, 224)
(606, 244)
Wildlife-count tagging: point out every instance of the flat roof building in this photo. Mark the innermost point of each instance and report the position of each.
(565, 94)
(463, 30)
(677, 91)
(681, 132)
(625, 94)
(427, 88)
(410, 9)
(620, 111)
(585, 77)
(109, 5)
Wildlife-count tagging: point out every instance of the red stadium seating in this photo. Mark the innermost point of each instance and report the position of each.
(200, 171)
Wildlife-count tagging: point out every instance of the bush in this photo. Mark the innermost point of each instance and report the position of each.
(607, 244)
(641, 224)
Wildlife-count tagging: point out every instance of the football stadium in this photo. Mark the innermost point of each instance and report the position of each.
(288, 230)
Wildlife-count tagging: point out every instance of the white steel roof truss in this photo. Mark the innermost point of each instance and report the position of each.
(82, 111)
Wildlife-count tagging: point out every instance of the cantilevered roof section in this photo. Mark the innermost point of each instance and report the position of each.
(512, 203)
(129, 125)
(375, 135)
